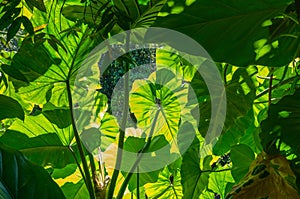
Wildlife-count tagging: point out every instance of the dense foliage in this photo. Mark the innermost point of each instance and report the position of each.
(255, 46)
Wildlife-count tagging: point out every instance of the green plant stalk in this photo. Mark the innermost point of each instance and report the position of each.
(87, 176)
(122, 127)
(94, 173)
(120, 143)
(138, 184)
(174, 191)
(140, 155)
(77, 162)
(277, 85)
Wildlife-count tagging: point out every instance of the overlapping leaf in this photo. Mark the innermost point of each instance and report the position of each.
(19, 178)
(236, 32)
(43, 68)
(43, 142)
(282, 124)
(167, 186)
(161, 93)
(242, 157)
(193, 180)
(10, 108)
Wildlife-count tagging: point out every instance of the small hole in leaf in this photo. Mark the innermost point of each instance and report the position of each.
(171, 179)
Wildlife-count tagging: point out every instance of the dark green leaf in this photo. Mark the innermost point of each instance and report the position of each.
(236, 32)
(14, 28)
(44, 150)
(6, 19)
(23, 179)
(135, 144)
(280, 126)
(58, 116)
(194, 182)
(28, 25)
(241, 156)
(10, 108)
(24, 63)
(75, 191)
(39, 4)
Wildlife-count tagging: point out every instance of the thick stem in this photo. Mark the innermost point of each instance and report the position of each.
(140, 155)
(122, 126)
(87, 176)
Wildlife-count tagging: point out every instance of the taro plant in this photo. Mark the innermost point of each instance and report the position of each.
(83, 123)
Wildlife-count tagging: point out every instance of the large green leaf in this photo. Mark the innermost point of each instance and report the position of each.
(282, 124)
(24, 65)
(91, 14)
(243, 127)
(167, 186)
(132, 15)
(240, 94)
(42, 69)
(237, 32)
(193, 180)
(103, 136)
(161, 93)
(136, 144)
(42, 141)
(10, 108)
(75, 191)
(19, 178)
(241, 156)
(219, 182)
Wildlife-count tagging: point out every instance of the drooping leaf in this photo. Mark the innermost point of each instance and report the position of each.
(109, 129)
(282, 124)
(27, 25)
(240, 87)
(10, 108)
(13, 29)
(22, 178)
